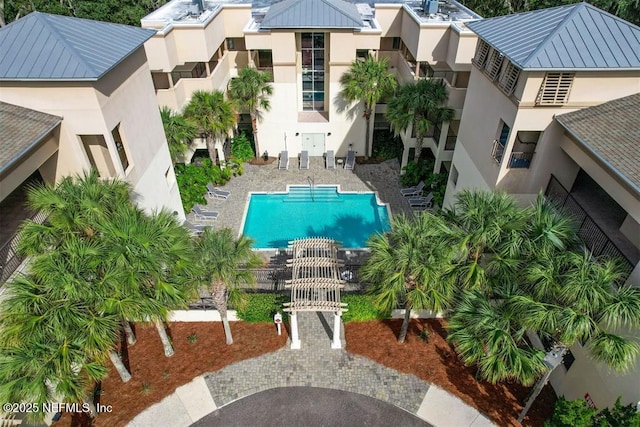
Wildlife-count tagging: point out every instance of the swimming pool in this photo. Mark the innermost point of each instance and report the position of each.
(273, 219)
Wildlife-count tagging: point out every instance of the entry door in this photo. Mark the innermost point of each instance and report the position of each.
(313, 143)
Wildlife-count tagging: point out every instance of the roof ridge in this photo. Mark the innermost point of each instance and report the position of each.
(44, 19)
(336, 8)
(575, 7)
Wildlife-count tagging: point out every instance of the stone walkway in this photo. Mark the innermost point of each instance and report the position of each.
(314, 365)
(383, 178)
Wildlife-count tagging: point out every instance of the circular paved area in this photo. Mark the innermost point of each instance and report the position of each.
(309, 406)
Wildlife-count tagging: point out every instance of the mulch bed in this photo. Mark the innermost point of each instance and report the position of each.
(435, 361)
(156, 376)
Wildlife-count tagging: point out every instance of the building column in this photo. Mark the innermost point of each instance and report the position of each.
(336, 344)
(440, 146)
(295, 341)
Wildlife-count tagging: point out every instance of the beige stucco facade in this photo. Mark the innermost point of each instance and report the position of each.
(124, 100)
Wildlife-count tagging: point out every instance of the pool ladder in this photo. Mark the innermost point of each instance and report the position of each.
(311, 189)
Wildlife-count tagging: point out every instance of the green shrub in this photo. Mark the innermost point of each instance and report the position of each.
(361, 309)
(241, 148)
(193, 180)
(423, 171)
(386, 145)
(618, 415)
(261, 307)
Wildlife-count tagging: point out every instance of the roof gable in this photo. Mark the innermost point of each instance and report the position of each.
(573, 37)
(41, 46)
(312, 14)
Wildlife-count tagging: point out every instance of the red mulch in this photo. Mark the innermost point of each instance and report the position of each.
(156, 376)
(436, 362)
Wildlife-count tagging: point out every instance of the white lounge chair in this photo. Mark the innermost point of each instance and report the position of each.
(216, 193)
(350, 163)
(304, 160)
(422, 202)
(413, 191)
(284, 160)
(331, 160)
(204, 214)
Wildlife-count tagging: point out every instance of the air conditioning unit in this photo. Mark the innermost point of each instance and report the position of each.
(430, 7)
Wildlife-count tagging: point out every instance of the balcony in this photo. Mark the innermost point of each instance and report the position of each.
(517, 159)
(450, 141)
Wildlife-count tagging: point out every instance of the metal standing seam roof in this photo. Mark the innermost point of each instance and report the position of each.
(611, 131)
(21, 130)
(48, 47)
(573, 37)
(312, 14)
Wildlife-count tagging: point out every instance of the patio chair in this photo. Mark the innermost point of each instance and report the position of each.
(195, 229)
(331, 160)
(422, 202)
(350, 163)
(304, 160)
(216, 193)
(284, 160)
(204, 214)
(413, 191)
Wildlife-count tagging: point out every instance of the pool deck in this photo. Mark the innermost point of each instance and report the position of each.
(383, 178)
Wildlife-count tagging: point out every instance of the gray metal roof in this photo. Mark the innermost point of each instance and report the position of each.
(312, 14)
(573, 37)
(611, 131)
(52, 47)
(22, 129)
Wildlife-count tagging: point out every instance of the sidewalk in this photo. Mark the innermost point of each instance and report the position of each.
(314, 365)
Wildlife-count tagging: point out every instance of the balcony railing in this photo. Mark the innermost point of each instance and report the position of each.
(10, 260)
(450, 141)
(520, 160)
(589, 232)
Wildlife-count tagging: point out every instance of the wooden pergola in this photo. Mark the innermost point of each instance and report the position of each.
(315, 284)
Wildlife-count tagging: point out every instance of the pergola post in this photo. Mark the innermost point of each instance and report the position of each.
(295, 340)
(336, 344)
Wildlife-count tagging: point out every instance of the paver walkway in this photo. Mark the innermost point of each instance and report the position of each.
(314, 365)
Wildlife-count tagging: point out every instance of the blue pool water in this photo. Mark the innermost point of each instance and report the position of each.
(274, 219)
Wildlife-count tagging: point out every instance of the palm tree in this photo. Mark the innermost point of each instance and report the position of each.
(224, 264)
(214, 115)
(420, 104)
(368, 81)
(251, 91)
(179, 131)
(406, 267)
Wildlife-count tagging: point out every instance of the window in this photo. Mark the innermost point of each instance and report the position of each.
(160, 80)
(188, 70)
(170, 177)
(231, 44)
(494, 64)
(117, 138)
(555, 89)
(500, 143)
(396, 43)
(236, 43)
(508, 78)
(453, 176)
(362, 54)
(313, 71)
(482, 51)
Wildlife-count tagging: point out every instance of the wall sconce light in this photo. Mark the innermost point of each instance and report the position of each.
(328, 133)
(297, 133)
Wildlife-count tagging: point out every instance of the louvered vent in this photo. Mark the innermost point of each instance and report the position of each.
(509, 78)
(494, 63)
(555, 89)
(482, 51)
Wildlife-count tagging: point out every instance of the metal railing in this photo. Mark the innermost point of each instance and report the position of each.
(520, 160)
(589, 232)
(10, 260)
(497, 151)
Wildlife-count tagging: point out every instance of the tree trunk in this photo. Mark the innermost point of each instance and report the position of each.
(419, 141)
(211, 147)
(166, 343)
(219, 294)
(131, 337)
(367, 142)
(254, 127)
(117, 363)
(405, 324)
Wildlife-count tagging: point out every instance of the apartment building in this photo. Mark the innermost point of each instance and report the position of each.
(76, 94)
(548, 109)
(306, 45)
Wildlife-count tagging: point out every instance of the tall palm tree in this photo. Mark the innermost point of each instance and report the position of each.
(251, 91)
(215, 116)
(224, 265)
(179, 131)
(419, 104)
(368, 81)
(406, 267)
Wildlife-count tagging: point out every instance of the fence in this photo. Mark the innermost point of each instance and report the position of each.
(10, 260)
(589, 232)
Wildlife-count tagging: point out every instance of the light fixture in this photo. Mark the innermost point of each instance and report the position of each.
(328, 133)
(297, 133)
